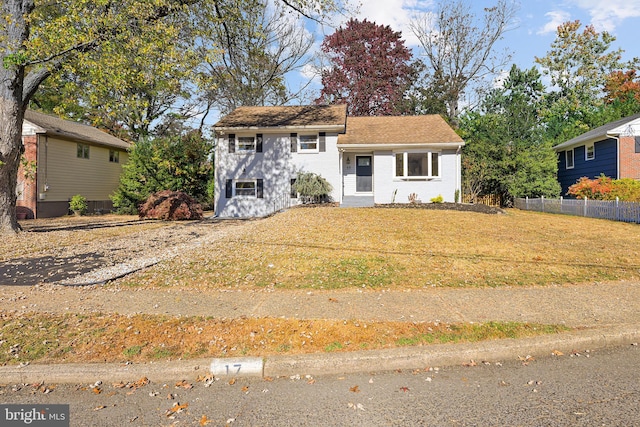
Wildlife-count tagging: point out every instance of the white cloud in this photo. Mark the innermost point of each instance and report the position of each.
(556, 17)
(607, 15)
(396, 14)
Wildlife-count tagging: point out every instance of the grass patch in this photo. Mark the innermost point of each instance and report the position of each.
(328, 248)
(48, 338)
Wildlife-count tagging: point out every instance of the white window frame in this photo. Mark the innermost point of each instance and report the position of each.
(308, 137)
(244, 147)
(566, 159)
(586, 152)
(404, 176)
(251, 181)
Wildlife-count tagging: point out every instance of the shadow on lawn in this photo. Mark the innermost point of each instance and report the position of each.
(47, 269)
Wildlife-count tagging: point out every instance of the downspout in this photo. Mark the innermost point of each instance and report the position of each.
(458, 173)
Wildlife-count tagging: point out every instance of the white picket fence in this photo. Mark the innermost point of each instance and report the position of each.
(614, 210)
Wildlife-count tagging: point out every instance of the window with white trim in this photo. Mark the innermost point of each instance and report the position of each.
(569, 159)
(308, 143)
(417, 165)
(589, 152)
(246, 143)
(245, 188)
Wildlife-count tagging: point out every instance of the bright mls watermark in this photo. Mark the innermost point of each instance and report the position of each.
(34, 415)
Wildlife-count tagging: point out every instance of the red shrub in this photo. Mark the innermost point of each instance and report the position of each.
(170, 206)
(605, 188)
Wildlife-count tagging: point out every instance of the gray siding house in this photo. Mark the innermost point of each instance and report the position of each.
(367, 160)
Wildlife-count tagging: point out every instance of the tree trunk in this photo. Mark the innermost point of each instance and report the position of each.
(11, 148)
(12, 105)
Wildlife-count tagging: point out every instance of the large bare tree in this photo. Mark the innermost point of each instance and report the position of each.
(459, 46)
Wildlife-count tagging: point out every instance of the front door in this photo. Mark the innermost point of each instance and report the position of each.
(364, 172)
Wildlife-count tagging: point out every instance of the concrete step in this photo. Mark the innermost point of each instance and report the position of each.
(357, 202)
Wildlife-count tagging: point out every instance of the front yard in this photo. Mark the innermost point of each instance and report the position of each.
(330, 248)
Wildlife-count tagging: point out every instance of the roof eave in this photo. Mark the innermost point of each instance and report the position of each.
(321, 128)
(409, 146)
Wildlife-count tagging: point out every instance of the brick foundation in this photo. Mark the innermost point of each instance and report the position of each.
(28, 204)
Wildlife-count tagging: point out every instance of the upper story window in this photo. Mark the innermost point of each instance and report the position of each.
(417, 165)
(569, 159)
(83, 151)
(114, 156)
(308, 143)
(245, 143)
(589, 152)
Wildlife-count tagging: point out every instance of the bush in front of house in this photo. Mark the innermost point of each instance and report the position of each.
(170, 205)
(312, 188)
(178, 162)
(78, 204)
(605, 188)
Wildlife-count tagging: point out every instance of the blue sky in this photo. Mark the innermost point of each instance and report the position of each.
(536, 24)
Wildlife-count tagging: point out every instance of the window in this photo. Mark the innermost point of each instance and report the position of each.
(589, 152)
(308, 143)
(417, 165)
(569, 159)
(246, 143)
(245, 188)
(83, 151)
(114, 156)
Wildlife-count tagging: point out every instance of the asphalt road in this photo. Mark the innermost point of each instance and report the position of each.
(596, 388)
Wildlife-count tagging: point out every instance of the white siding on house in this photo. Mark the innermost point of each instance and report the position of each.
(66, 175)
(276, 166)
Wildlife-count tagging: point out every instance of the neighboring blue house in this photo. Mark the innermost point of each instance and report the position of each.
(612, 150)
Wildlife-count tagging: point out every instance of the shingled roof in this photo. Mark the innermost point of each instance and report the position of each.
(284, 117)
(54, 126)
(399, 130)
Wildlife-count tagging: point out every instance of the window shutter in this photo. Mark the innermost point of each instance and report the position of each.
(259, 188)
(323, 142)
(259, 143)
(229, 189)
(294, 142)
(637, 140)
(294, 193)
(232, 143)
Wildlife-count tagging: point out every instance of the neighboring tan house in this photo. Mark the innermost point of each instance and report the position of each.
(65, 158)
(367, 160)
(612, 150)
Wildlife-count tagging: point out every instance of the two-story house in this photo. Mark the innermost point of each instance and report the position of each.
(367, 160)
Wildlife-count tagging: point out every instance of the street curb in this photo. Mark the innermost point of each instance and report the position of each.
(335, 363)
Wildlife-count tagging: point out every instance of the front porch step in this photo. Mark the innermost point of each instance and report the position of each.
(357, 202)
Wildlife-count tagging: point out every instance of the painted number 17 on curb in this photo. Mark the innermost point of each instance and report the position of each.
(246, 366)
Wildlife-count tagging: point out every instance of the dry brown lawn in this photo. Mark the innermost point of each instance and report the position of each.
(330, 248)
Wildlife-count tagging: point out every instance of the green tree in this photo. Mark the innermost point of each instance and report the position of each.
(178, 163)
(38, 38)
(579, 65)
(505, 151)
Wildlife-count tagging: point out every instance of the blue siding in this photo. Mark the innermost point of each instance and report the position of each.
(605, 162)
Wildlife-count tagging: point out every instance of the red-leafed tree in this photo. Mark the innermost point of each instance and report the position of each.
(369, 69)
